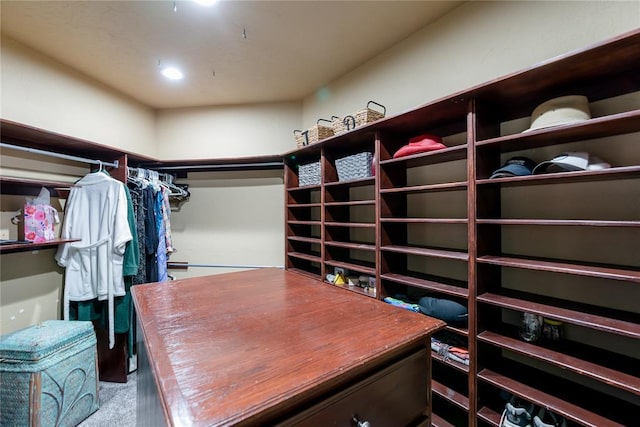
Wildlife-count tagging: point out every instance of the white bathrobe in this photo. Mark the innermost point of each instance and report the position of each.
(96, 213)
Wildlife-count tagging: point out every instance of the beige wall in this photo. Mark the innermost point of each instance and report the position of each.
(227, 131)
(475, 43)
(43, 93)
(232, 219)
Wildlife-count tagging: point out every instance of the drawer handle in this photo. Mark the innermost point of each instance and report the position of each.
(357, 423)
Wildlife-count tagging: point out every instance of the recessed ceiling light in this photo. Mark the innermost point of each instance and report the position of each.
(206, 2)
(172, 73)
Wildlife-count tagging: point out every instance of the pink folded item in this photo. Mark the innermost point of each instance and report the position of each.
(420, 144)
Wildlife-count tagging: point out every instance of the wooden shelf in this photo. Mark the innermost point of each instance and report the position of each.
(351, 203)
(357, 246)
(456, 365)
(615, 124)
(366, 269)
(457, 330)
(437, 421)
(26, 247)
(458, 152)
(602, 271)
(308, 257)
(303, 188)
(397, 220)
(627, 172)
(448, 186)
(355, 289)
(557, 406)
(313, 240)
(571, 364)
(32, 187)
(436, 253)
(303, 205)
(459, 400)
(350, 224)
(304, 273)
(489, 416)
(458, 196)
(561, 222)
(353, 183)
(431, 285)
(293, 222)
(587, 320)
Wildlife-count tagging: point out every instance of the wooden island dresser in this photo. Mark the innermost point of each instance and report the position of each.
(274, 347)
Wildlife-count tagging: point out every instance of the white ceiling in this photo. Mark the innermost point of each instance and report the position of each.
(292, 48)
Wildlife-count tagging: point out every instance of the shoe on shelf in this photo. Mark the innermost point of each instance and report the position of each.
(548, 419)
(517, 413)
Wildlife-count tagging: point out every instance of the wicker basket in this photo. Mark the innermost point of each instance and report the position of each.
(313, 135)
(49, 374)
(356, 166)
(357, 119)
(309, 174)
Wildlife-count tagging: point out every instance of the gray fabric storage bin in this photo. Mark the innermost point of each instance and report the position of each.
(356, 166)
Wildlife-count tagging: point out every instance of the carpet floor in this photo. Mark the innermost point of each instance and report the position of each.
(117, 405)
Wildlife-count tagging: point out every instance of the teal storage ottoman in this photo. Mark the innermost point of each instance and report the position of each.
(48, 374)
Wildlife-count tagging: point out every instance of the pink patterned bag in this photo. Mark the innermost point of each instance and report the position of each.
(39, 222)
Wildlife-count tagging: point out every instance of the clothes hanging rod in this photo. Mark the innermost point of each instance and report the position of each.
(113, 164)
(179, 265)
(265, 165)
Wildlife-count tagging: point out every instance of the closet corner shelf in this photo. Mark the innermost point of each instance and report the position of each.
(25, 247)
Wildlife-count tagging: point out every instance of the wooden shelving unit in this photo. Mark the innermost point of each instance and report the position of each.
(538, 244)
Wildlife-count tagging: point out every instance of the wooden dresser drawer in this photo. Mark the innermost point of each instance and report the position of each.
(394, 396)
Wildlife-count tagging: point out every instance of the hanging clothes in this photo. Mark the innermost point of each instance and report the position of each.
(161, 251)
(151, 235)
(97, 214)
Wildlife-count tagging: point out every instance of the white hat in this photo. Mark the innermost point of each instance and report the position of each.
(560, 111)
(568, 162)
